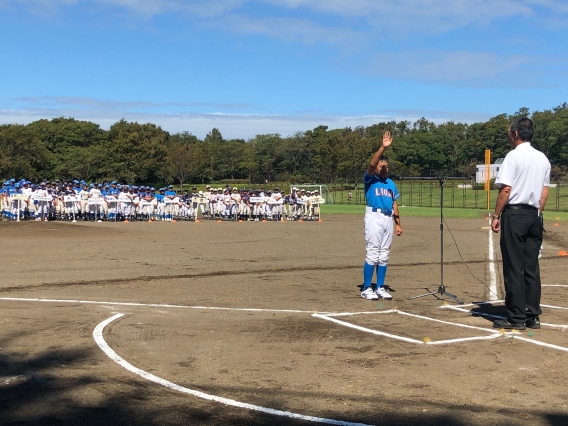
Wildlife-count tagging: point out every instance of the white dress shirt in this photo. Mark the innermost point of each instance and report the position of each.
(526, 170)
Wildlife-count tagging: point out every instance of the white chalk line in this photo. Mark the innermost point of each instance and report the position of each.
(154, 305)
(554, 285)
(322, 315)
(410, 315)
(447, 322)
(368, 330)
(492, 274)
(345, 314)
(411, 340)
(464, 339)
(553, 307)
(546, 324)
(99, 339)
(495, 333)
(539, 343)
(468, 311)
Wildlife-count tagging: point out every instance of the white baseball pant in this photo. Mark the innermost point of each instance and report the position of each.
(378, 237)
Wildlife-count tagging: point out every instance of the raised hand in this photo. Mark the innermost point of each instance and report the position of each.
(387, 139)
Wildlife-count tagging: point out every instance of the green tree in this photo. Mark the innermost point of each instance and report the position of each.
(136, 151)
(22, 153)
(180, 157)
(265, 155)
(69, 141)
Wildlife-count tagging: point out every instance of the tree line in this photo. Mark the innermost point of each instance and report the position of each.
(129, 152)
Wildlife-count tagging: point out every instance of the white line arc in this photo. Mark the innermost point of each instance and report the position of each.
(99, 339)
(153, 305)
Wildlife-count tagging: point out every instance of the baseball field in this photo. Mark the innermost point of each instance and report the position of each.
(263, 323)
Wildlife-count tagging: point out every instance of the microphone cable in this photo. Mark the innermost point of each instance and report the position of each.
(464, 262)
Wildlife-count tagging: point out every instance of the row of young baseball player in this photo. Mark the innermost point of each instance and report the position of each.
(113, 202)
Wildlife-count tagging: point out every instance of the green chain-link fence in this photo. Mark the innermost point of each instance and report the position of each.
(457, 194)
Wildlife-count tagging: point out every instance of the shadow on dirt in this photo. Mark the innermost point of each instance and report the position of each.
(66, 387)
(489, 312)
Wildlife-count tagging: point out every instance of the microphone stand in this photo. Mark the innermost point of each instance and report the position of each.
(441, 289)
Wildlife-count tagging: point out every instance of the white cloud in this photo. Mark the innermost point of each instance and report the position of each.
(438, 15)
(290, 29)
(453, 67)
(361, 26)
(201, 8)
(430, 15)
(400, 16)
(232, 125)
(110, 105)
(553, 5)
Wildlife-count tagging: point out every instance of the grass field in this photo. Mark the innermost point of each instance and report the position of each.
(431, 212)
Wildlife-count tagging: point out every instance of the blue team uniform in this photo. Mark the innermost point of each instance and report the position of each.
(380, 195)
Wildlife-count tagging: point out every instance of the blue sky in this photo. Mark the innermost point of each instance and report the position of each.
(279, 66)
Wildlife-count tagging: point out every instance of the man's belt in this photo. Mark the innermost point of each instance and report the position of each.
(519, 207)
(383, 211)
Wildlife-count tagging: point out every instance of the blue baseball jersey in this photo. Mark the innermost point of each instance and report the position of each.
(160, 198)
(380, 193)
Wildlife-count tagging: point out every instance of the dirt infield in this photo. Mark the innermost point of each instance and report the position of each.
(227, 309)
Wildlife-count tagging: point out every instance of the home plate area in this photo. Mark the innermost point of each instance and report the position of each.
(455, 325)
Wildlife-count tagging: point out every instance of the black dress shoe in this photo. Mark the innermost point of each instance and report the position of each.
(533, 322)
(503, 323)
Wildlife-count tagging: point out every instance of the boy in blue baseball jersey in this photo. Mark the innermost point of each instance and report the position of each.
(170, 194)
(381, 195)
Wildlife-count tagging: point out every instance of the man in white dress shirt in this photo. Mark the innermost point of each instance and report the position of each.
(523, 189)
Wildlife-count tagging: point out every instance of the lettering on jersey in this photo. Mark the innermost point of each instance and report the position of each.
(384, 192)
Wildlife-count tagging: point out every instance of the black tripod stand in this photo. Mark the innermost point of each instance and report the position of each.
(441, 289)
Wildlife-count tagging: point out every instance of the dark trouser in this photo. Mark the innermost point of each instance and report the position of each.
(521, 238)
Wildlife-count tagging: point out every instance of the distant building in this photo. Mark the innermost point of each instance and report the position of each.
(493, 171)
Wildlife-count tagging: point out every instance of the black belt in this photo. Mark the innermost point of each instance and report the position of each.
(519, 207)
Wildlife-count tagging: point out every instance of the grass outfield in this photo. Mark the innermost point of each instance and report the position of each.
(431, 212)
